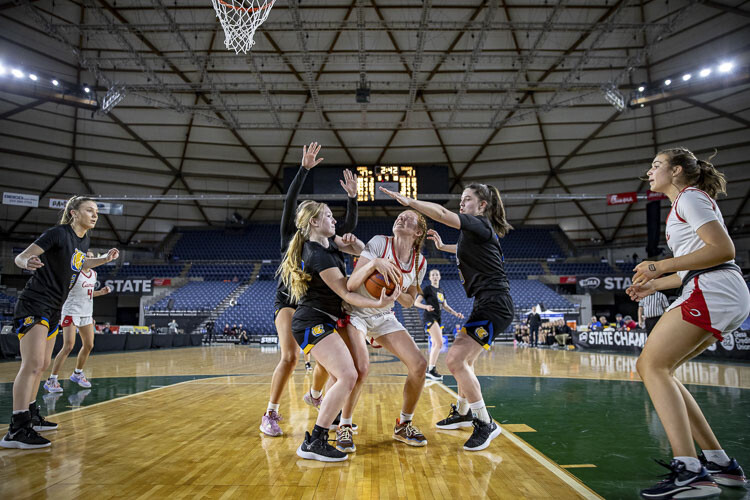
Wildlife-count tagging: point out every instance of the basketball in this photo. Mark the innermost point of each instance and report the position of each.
(376, 282)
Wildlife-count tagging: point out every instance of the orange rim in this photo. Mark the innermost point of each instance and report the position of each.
(246, 9)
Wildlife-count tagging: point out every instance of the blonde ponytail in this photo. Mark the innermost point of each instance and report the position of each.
(74, 203)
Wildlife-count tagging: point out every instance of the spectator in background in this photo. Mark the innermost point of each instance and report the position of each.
(595, 324)
(562, 332)
(534, 320)
(234, 331)
(650, 309)
(210, 331)
(106, 330)
(629, 323)
(244, 339)
(152, 329)
(635, 257)
(227, 330)
(172, 326)
(457, 330)
(604, 322)
(619, 323)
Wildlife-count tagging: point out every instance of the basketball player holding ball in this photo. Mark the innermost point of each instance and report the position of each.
(393, 260)
(77, 314)
(480, 264)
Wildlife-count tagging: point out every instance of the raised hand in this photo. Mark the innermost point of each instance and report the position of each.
(403, 200)
(309, 154)
(435, 238)
(349, 183)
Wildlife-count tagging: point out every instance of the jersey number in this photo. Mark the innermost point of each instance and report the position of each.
(91, 293)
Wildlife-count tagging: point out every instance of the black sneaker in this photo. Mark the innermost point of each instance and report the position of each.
(433, 374)
(319, 449)
(729, 475)
(21, 434)
(682, 483)
(455, 420)
(39, 423)
(484, 432)
(337, 421)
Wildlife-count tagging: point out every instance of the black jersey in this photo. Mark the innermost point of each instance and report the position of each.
(288, 227)
(434, 297)
(63, 258)
(320, 298)
(480, 257)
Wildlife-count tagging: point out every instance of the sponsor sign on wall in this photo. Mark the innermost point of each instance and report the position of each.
(21, 199)
(600, 284)
(622, 198)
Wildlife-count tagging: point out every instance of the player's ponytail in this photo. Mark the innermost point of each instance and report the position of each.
(291, 268)
(698, 173)
(74, 203)
(495, 210)
(422, 225)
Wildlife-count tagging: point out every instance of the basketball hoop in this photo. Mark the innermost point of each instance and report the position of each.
(240, 19)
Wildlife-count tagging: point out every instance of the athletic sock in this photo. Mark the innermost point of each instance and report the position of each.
(319, 433)
(77, 371)
(691, 463)
(315, 394)
(53, 377)
(346, 421)
(405, 417)
(272, 406)
(480, 411)
(16, 412)
(719, 457)
(430, 368)
(463, 406)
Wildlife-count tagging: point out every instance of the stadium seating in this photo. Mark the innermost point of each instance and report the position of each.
(579, 268)
(197, 295)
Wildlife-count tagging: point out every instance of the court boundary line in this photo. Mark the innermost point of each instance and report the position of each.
(542, 459)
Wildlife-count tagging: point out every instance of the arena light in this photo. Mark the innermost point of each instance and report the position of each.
(667, 82)
(726, 67)
(86, 89)
(2, 70)
(17, 73)
(641, 88)
(705, 72)
(55, 83)
(33, 77)
(686, 77)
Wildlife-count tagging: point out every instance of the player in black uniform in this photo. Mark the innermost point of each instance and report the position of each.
(432, 300)
(56, 258)
(314, 273)
(480, 265)
(284, 307)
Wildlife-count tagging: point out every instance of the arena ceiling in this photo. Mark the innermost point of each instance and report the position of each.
(508, 92)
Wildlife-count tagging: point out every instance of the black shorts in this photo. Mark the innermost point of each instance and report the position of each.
(310, 326)
(281, 301)
(491, 315)
(429, 321)
(27, 314)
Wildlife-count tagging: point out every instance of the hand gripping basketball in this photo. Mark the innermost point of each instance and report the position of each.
(376, 282)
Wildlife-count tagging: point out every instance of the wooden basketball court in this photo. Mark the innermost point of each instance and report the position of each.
(183, 423)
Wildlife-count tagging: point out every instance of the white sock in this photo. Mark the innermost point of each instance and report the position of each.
(16, 412)
(53, 377)
(405, 417)
(315, 394)
(272, 406)
(32, 403)
(430, 368)
(480, 411)
(77, 371)
(346, 421)
(691, 463)
(719, 457)
(463, 406)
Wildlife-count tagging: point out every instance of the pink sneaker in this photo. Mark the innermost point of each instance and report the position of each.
(269, 424)
(80, 379)
(52, 386)
(314, 402)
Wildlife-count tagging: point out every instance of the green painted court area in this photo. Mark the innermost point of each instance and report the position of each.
(612, 425)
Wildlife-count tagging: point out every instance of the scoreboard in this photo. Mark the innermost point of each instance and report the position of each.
(409, 180)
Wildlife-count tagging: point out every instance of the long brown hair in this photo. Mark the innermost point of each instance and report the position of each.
(291, 271)
(422, 226)
(698, 173)
(74, 203)
(495, 210)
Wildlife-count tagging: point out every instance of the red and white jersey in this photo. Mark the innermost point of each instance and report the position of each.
(80, 300)
(413, 271)
(691, 209)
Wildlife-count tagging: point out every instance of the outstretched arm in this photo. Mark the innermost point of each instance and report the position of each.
(113, 254)
(309, 160)
(350, 220)
(452, 311)
(432, 210)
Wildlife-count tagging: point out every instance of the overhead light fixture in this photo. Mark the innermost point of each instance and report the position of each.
(686, 77)
(55, 83)
(2, 69)
(17, 73)
(33, 77)
(667, 82)
(86, 89)
(641, 88)
(705, 72)
(726, 67)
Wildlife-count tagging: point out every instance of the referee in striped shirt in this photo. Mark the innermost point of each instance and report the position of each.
(650, 310)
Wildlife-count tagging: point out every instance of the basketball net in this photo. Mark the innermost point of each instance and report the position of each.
(240, 19)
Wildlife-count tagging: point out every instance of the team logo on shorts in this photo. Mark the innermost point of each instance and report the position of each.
(318, 330)
(481, 332)
(28, 320)
(77, 260)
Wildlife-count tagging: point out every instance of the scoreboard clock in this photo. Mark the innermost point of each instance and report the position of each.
(402, 179)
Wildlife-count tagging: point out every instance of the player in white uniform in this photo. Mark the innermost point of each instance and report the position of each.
(77, 314)
(714, 301)
(392, 256)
